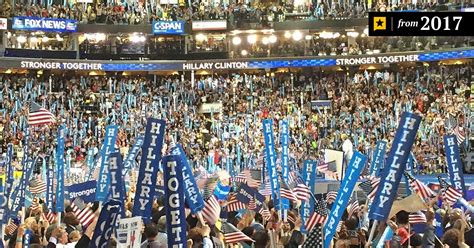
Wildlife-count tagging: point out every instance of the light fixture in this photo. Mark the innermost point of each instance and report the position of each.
(336, 35)
(244, 53)
(252, 39)
(287, 34)
(366, 31)
(308, 37)
(236, 40)
(100, 36)
(33, 39)
(265, 40)
(201, 37)
(9, 35)
(325, 35)
(21, 39)
(353, 34)
(297, 35)
(45, 39)
(272, 38)
(135, 38)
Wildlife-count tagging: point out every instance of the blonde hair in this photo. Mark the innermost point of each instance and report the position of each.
(74, 236)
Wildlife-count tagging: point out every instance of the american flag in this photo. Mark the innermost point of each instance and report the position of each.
(353, 208)
(289, 217)
(339, 226)
(322, 167)
(449, 193)
(234, 205)
(35, 205)
(240, 178)
(301, 191)
(370, 187)
(416, 218)
(419, 187)
(319, 215)
(83, 213)
(366, 186)
(233, 235)
(211, 210)
(252, 204)
(331, 197)
(37, 186)
(458, 131)
(209, 187)
(40, 116)
(266, 215)
(250, 177)
(51, 217)
(12, 226)
(266, 189)
(293, 178)
(315, 238)
(286, 192)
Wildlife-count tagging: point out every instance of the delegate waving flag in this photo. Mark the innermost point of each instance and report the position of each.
(83, 213)
(353, 208)
(37, 186)
(449, 193)
(370, 187)
(39, 116)
(233, 235)
(286, 192)
(233, 204)
(419, 187)
(302, 192)
(331, 197)
(319, 215)
(211, 210)
(266, 189)
(266, 215)
(417, 218)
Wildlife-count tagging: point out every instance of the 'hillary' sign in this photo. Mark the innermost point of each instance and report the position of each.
(395, 166)
(147, 175)
(454, 163)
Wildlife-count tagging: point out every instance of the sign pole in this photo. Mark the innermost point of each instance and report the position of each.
(372, 231)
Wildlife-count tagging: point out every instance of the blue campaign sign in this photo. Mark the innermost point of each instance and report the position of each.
(270, 157)
(453, 160)
(168, 27)
(44, 24)
(309, 178)
(148, 172)
(174, 201)
(245, 194)
(395, 166)
(191, 190)
(378, 158)
(345, 191)
(85, 190)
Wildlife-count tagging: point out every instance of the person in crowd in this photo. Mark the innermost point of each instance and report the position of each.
(364, 108)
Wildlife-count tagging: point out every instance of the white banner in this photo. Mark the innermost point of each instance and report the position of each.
(129, 232)
(215, 107)
(210, 25)
(333, 155)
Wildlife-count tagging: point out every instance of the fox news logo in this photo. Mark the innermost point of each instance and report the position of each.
(168, 27)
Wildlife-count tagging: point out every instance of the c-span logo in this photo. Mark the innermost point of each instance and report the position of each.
(380, 23)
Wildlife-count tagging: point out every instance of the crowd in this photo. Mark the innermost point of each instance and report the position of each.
(239, 15)
(342, 45)
(365, 108)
